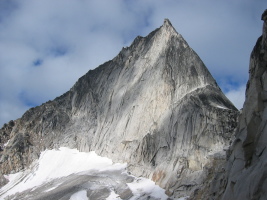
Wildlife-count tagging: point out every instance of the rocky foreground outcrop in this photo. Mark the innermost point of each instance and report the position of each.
(247, 164)
(244, 175)
(154, 106)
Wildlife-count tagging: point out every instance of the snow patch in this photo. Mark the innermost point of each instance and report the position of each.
(221, 107)
(143, 186)
(183, 198)
(6, 143)
(182, 93)
(63, 162)
(55, 164)
(113, 196)
(114, 167)
(81, 195)
(52, 188)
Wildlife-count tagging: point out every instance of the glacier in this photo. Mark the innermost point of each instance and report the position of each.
(45, 179)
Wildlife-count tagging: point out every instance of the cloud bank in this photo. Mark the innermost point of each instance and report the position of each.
(46, 45)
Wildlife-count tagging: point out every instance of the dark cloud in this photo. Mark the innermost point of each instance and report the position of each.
(46, 45)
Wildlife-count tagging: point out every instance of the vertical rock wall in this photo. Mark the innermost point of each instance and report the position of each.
(247, 164)
(244, 175)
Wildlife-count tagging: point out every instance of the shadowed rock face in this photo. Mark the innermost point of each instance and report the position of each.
(154, 106)
(247, 165)
(245, 174)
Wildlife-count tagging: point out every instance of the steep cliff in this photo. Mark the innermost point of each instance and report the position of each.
(154, 106)
(244, 175)
(247, 165)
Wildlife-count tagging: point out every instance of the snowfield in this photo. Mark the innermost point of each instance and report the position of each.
(69, 174)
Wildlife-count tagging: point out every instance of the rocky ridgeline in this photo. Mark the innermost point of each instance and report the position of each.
(244, 175)
(154, 106)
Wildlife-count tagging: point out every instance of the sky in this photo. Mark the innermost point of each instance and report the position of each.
(46, 45)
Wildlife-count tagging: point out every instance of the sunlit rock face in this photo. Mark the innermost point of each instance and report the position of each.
(154, 106)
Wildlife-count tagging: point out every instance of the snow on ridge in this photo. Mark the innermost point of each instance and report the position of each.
(221, 107)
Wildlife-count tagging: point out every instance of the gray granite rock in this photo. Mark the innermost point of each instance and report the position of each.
(245, 173)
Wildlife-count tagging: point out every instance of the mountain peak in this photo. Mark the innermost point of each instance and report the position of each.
(168, 28)
(168, 25)
(167, 22)
(155, 101)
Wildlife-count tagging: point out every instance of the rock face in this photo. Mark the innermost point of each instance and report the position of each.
(247, 165)
(154, 106)
(245, 177)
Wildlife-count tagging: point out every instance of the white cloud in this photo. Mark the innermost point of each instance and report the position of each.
(237, 96)
(70, 38)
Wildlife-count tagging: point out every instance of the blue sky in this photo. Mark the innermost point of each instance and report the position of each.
(46, 45)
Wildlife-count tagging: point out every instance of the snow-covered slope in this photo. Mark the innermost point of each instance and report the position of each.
(70, 174)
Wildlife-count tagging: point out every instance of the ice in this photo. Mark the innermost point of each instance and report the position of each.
(113, 196)
(56, 164)
(81, 195)
(143, 186)
(116, 166)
